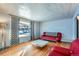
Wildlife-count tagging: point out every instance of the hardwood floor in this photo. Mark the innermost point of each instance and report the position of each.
(27, 49)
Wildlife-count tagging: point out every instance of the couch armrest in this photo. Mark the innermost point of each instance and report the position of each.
(59, 36)
(60, 50)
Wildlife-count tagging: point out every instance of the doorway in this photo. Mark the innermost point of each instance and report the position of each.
(77, 21)
(24, 30)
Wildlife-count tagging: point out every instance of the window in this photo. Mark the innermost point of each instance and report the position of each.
(24, 28)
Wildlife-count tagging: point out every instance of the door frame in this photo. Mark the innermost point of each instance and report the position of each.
(77, 27)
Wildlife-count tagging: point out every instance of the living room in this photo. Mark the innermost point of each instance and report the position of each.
(38, 29)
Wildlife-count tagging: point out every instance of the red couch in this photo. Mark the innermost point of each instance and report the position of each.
(52, 36)
(60, 51)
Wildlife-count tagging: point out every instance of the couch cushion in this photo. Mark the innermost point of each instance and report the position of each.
(62, 50)
(75, 47)
(48, 38)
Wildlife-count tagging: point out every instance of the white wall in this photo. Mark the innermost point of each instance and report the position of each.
(36, 29)
(75, 21)
(65, 26)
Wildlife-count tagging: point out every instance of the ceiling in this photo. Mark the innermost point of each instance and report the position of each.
(40, 11)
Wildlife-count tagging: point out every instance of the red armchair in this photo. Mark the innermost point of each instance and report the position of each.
(50, 36)
(60, 51)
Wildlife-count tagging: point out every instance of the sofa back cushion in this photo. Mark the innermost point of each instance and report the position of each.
(75, 47)
(50, 34)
